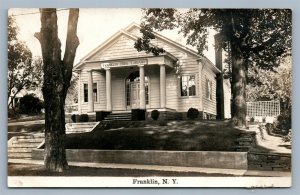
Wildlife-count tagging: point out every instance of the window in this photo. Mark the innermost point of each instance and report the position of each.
(188, 85)
(208, 89)
(95, 96)
(85, 92)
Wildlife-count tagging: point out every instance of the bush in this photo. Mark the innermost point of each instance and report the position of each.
(155, 114)
(192, 113)
(284, 121)
(84, 118)
(29, 104)
(73, 118)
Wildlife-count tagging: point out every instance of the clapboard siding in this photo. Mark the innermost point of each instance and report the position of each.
(99, 78)
(122, 47)
(209, 106)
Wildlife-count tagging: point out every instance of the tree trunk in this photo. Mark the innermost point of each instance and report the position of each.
(239, 82)
(56, 83)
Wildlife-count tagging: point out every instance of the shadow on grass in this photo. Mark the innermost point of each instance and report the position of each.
(180, 136)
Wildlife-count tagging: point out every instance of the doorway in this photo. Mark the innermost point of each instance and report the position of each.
(133, 90)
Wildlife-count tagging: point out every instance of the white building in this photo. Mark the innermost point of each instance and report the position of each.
(115, 77)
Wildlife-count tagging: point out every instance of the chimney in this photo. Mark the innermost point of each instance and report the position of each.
(220, 79)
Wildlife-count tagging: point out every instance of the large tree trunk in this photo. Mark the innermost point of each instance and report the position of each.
(239, 82)
(56, 82)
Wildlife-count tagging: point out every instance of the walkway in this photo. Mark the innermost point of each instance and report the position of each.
(275, 144)
(228, 172)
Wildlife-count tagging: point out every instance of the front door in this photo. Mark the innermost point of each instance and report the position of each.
(135, 95)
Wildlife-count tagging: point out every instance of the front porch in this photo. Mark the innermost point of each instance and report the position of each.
(123, 85)
(135, 115)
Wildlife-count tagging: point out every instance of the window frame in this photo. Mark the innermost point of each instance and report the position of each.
(208, 93)
(85, 100)
(87, 92)
(188, 86)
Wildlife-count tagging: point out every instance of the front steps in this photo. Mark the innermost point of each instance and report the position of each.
(22, 146)
(118, 117)
(80, 127)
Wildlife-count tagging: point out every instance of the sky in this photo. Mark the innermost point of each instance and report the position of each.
(94, 27)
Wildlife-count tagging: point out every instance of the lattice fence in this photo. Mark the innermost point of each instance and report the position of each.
(263, 108)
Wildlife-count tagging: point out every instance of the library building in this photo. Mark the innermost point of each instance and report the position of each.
(115, 79)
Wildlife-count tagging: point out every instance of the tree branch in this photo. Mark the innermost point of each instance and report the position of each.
(72, 43)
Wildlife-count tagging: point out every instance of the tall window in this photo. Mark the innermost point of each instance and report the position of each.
(95, 94)
(86, 92)
(208, 89)
(188, 85)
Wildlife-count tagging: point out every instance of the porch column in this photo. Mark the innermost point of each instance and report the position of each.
(108, 90)
(162, 85)
(90, 91)
(79, 92)
(142, 88)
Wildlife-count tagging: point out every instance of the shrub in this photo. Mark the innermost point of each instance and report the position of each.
(73, 118)
(288, 137)
(155, 114)
(84, 118)
(29, 104)
(284, 121)
(192, 113)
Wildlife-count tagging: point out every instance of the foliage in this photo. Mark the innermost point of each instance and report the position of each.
(29, 104)
(288, 137)
(73, 118)
(266, 85)
(72, 96)
(256, 37)
(284, 121)
(23, 70)
(155, 114)
(83, 118)
(192, 113)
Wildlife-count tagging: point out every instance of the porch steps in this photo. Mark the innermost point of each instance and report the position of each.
(118, 117)
(20, 147)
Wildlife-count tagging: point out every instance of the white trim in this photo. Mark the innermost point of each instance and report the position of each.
(196, 87)
(125, 32)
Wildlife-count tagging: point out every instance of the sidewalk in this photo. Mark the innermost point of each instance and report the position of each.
(229, 172)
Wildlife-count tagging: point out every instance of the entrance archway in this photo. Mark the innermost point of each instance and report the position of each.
(133, 90)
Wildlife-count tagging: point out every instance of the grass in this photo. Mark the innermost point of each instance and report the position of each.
(180, 136)
(16, 169)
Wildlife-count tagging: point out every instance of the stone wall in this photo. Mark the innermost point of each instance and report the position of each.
(270, 162)
(210, 159)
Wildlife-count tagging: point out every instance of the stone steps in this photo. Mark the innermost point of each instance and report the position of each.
(80, 127)
(22, 146)
(118, 117)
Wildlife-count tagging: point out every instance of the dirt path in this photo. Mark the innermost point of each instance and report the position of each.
(275, 144)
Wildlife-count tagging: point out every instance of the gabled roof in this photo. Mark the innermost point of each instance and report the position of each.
(135, 25)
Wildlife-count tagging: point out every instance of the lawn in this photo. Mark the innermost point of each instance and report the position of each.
(39, 170)
(175, 135)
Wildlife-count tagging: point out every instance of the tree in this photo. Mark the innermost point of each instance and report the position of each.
(276, 85)
(256, 37)
(57, 76)
(23, 70)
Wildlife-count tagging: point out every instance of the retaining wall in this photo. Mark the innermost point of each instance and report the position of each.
(270, 162)
(211, 159)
